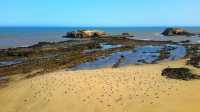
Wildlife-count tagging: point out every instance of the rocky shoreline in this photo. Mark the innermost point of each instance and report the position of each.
(51, 56)
(62, 52)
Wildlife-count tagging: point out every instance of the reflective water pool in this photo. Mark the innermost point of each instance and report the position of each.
(138, 55)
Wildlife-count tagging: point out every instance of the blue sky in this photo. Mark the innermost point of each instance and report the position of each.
(99, 12)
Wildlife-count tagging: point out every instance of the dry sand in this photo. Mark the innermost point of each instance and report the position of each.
(135, 88)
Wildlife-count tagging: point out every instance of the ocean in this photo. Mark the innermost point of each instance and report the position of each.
(25, 36)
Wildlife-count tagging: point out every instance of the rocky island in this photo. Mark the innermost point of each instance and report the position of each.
(177, 32)
(86, 34)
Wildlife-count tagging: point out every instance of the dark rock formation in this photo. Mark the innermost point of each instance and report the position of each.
(185, 41)
(177, 32)
(51, 56)
(85, 34)
(179, 73)
(195, 61)
(125, 34)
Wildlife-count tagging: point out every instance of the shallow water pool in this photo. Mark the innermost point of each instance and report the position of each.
(139, 55)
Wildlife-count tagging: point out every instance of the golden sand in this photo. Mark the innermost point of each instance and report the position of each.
(135, 88)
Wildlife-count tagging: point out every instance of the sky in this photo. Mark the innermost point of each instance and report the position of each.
(99, 12)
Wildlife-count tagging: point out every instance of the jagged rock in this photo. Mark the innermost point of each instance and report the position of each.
(195, 61)
(179, 73)
(176, 32)
(40, 44)
(125, 34)
(185, 41)
(86, 34)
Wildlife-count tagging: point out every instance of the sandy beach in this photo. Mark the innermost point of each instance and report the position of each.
(99, 56)
(134, 88)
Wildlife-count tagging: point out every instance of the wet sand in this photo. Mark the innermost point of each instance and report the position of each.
(134, 88)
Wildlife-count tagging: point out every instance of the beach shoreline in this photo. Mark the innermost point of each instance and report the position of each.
(100, 56)
(138, 88)
(101, 74)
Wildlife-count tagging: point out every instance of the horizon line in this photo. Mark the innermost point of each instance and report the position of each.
(99, 26)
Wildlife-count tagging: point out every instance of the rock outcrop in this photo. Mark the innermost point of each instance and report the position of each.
(179, 73)
(125, 34)
(195, 61)
(86, 34)
(177, 32)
